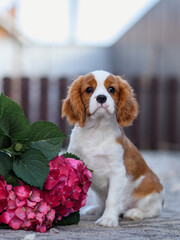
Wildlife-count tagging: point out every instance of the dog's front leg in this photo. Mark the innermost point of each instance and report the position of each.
(114, 203)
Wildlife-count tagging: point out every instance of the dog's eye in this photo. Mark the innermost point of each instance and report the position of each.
(89, 90)
(111, 89)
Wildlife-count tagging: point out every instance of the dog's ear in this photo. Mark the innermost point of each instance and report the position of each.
(127, 106)
(73, 107)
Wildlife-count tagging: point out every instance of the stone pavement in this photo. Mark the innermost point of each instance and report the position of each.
(165, 227)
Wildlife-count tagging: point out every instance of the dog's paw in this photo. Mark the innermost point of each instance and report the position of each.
(133, 214)
(108, 221)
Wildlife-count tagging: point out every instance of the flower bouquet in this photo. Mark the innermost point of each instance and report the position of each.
(38, 188)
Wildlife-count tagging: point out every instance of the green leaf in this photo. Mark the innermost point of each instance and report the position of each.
(5, 142)
(1, 106)
(70, 155)
(13, 123)
(47, 137)
(32, 167)
(6, 163)
(73, 218)
(11, 179)
(4, 226)
(7, 102)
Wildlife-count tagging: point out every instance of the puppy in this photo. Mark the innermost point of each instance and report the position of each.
(99, 104)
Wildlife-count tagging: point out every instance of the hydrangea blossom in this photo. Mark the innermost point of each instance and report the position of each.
(67, 185)
(3, 194)
(26, 209)
(64, 192)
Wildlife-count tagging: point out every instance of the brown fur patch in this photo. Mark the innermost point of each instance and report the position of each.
(127, 105)
(77, 102)
(111, 81)
(89, 81)
(73, 107)
(137, 167)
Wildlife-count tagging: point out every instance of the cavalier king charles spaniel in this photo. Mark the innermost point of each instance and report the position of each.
(100, 104)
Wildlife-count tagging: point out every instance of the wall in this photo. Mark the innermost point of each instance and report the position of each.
(35, 61)
(152, 46)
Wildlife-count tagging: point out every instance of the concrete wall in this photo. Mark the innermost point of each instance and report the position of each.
(152, 46)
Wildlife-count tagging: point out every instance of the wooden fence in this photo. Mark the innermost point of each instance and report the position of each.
(156, 127)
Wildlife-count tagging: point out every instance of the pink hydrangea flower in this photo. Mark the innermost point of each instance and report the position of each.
(3, 194)
(66, 186)
(64, 192)
(26, 209)
(22, 192)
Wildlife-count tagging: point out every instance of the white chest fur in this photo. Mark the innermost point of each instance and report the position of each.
(96, 146)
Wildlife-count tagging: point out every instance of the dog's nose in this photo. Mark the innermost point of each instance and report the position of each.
(101, 99)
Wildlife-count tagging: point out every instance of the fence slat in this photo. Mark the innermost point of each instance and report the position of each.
(154, 131)
(7, 86)
(62, 95)
(172, 114)
(136, 84)
(25, 95)
(44, 99)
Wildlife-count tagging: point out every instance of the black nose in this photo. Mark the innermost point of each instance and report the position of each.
(101, 99)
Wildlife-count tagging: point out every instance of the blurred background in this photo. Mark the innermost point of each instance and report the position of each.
(46, 44)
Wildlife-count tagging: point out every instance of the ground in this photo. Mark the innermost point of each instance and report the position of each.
(166, 226)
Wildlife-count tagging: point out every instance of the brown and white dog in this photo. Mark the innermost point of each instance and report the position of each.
(99, 104)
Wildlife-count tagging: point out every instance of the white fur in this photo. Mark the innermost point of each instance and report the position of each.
(148, 207)
(95, 144)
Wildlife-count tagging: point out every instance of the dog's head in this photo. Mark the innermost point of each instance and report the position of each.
(99, 94)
